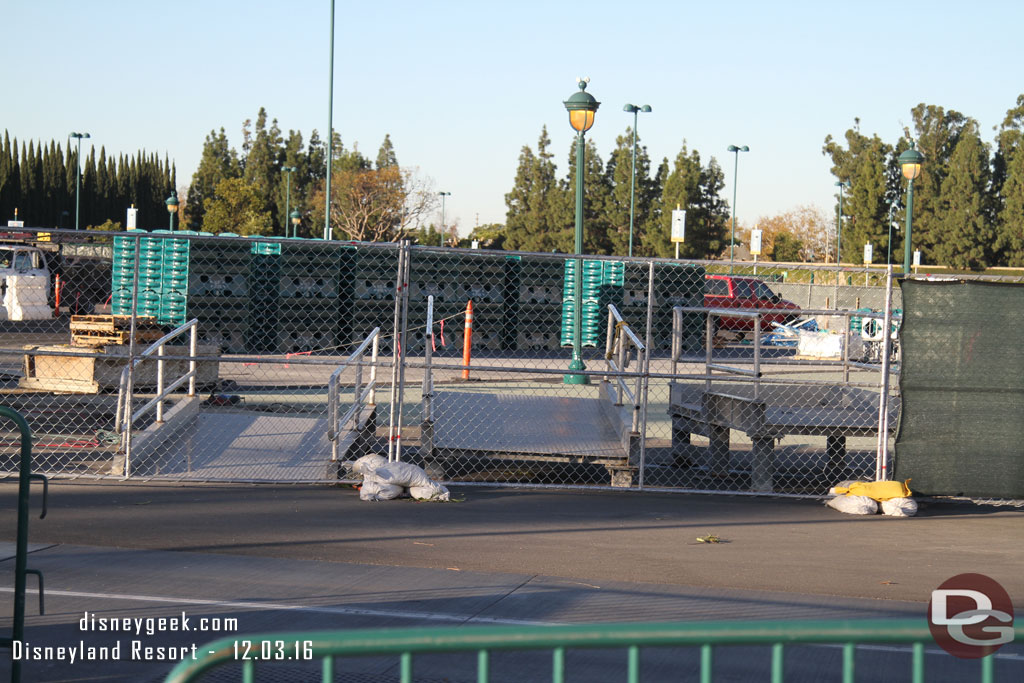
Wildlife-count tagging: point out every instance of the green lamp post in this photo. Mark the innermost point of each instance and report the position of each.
(735, 171)
(581, 107)
(78, 169)
(287, 170)
(635, 110)
(296, 219)
(443, 195)
(172, 208)
(330, 133)
(842, 185)
(910, 162)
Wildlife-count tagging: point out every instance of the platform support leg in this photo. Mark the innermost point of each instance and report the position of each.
(680, 444)
(762, 468)
(719, 450)
(836, 449)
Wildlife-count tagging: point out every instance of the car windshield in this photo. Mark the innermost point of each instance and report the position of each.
(761, 291)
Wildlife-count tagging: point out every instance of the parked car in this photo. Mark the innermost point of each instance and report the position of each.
(735, 291)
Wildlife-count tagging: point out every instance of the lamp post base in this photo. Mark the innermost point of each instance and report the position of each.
(576, 366)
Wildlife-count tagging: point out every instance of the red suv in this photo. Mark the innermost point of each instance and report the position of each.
(733, 291)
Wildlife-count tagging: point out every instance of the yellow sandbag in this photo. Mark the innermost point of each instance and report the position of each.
(879, 490)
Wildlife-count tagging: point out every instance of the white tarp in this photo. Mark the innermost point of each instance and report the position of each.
(26, 298)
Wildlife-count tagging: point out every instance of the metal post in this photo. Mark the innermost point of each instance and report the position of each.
(160, 384)
(330, 132)
(403, 344)
(632, 183)
(131, 360)
(648, 341)
(392, 433)
(910, 219)
(193, 346)
(577, 365)
(882, 461)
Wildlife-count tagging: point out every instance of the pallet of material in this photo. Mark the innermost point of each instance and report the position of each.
(100, 330)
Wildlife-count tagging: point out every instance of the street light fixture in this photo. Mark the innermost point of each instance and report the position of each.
(172, 208)
(910, 162)
(78, 169)
(581, 107)
(443, 195)
(842, 185)
(296, 219)
(287, 170)
(635, 110)
(735, 171)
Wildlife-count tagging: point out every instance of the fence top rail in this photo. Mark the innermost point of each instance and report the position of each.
(454, 639)
(804, 312)
(614, 312)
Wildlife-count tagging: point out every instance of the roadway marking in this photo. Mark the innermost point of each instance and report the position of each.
(429, 616)
(278, 606)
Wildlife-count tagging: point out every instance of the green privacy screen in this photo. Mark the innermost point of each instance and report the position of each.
(961, 431)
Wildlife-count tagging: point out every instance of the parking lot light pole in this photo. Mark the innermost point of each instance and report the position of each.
(910, 162)
(735, 171)
(287, 170)
(635, 110)
(842, 185)
(78, 169)
(172, 208)
(443, 195)
(581, 107)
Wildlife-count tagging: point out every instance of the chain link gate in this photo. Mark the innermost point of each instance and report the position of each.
(276, 319)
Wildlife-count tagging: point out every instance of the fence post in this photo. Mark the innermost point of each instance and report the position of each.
(646, 370)
(882, 460)
(393, 434)
(130, 390)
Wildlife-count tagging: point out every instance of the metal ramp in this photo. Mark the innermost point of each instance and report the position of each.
(532, 428)
(246, 446)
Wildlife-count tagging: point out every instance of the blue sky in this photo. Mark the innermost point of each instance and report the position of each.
(462, 86)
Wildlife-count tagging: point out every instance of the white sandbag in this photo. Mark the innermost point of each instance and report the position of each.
(404, 474)
(433, 492)
(853, 505)
(374, 488)
(368, 463)
(899, 507)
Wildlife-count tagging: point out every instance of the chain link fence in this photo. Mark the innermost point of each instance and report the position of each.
(309, 353)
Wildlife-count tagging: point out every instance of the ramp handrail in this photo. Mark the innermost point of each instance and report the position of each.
(361, 395)
(617, 344)
(407, 642)
(124, 417)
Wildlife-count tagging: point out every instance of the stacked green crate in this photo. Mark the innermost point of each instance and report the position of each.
(679, 284)
(454, 277)
(373, 291)
(511, 282)
(314, 287)
(540, 282)
(602, 285)
(174, 279)
(264, 282)
(218, 291)
(122, 276)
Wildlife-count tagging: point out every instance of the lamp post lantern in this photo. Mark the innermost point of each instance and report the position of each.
(910, 162)
(296, 219)
(443, 195)
(287, 170)
(842, 185)
(635, 110)
(735, 171)
(172, 208)
(581, 107)
(78, 169)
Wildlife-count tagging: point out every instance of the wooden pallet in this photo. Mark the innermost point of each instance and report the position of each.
(100, 330)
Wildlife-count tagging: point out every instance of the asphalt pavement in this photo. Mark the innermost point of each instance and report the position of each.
(316, 557)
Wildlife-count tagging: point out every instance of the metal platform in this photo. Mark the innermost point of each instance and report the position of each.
(532, 428)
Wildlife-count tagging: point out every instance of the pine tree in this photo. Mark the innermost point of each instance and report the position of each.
(966, 227)
(535, 201)
(386, 154)
(596, 199)
(263, 161)
(680, 189)
(218, 162)
(1008, 184)
(619, 171)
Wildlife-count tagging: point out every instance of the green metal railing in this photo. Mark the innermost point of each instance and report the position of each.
(406, 643)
